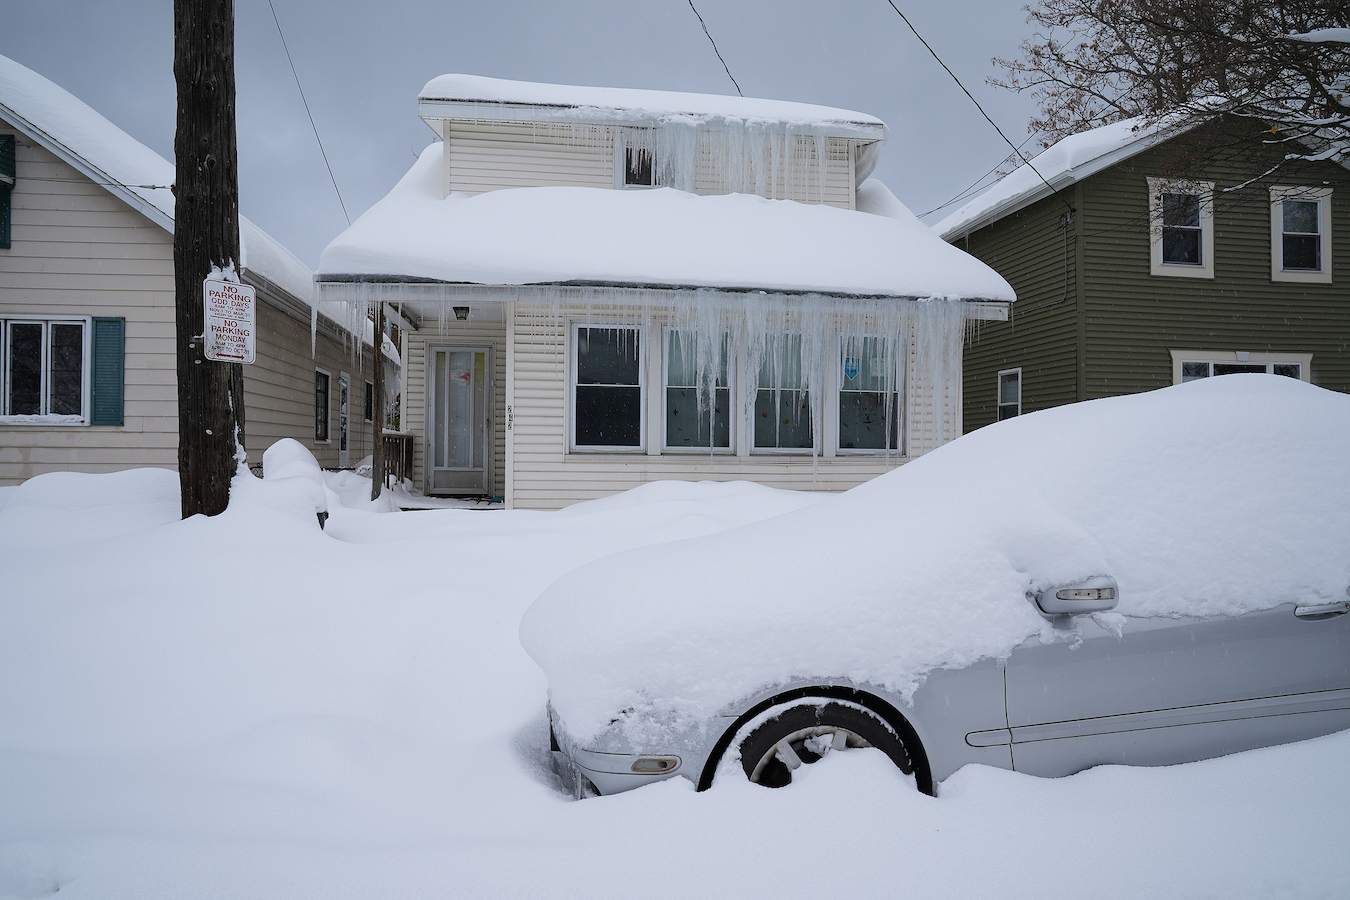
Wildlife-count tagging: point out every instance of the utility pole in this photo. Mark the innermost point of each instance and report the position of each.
(377, 446)
(206, 237)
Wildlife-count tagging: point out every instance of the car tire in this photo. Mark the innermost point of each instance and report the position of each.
(807, 730)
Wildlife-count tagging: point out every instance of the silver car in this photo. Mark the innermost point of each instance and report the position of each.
(1150, 692)
(1171, 571)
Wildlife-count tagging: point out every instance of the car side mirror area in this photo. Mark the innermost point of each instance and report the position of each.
(1096, 594)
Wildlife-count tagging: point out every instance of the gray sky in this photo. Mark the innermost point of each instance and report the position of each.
(362, 63)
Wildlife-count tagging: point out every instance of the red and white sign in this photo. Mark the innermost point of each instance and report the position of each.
(231, 321)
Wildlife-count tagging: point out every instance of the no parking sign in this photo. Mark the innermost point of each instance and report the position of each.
(231, 321)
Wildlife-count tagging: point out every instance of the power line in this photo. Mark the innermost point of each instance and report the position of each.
(308, 113)
(715, 50)
(974, 184)
(976, 102)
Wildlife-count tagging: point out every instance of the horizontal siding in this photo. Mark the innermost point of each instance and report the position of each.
(487, 157)
(1038, 258)
(1134, 318)
(79, 250)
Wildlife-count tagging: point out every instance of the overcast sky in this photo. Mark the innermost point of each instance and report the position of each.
(362, 62)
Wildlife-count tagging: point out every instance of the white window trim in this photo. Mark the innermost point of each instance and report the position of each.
(643, 349)
(1205, 189)
(832, 423)
(1302, 360)
(621, 164)
(998, 390)
(368, 411)
(328, 411)
(732, 414)
(1278, 194)
(47, 420)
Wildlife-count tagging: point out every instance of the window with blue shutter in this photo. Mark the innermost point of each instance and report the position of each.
(108, 361)
(7, 176)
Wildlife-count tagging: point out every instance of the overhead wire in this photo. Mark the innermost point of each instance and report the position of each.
(977, 105)
(714, 46)
(308, 113)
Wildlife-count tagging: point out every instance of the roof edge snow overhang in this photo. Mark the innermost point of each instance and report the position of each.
(1064, 180)
(434, 290)
(88, 169)
(433, 109)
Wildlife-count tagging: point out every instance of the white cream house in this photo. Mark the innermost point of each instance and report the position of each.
(604, 287)
(87, 350)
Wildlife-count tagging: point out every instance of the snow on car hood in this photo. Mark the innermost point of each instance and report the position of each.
(1211, 498)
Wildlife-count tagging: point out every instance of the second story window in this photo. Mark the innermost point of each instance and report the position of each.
(637, 167)
(635, 163)
(1300, 231)
(1181, 228)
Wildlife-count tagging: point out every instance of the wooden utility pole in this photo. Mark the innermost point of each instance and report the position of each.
(206, 236)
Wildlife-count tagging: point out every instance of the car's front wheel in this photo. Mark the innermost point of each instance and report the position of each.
(810, 729)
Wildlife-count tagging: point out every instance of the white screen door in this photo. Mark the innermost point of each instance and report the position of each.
(344, 405)
(459, 432)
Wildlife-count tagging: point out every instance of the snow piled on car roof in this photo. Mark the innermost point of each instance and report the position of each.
(1211, 498)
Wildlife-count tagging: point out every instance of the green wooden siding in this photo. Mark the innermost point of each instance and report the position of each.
(1028, 249)
(1127, 320)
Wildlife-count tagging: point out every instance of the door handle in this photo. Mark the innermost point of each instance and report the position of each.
(1323, 609)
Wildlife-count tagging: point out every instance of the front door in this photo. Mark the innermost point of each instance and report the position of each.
(344, 421)
(459, 420)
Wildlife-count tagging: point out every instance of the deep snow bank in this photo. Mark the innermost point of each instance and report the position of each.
(1215, 497)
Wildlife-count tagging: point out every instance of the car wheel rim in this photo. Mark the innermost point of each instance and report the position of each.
(802, 747)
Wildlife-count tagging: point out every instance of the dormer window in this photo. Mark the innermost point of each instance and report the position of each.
(634, 159)
(638, 167)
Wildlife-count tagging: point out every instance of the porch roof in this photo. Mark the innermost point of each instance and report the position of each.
(652, 238)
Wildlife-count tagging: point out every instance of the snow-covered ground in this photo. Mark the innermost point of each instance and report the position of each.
(246, 707)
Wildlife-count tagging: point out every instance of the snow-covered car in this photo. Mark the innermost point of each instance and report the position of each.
(1140, 580)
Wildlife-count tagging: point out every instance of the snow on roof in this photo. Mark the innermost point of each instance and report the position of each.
(71, 129)
(551, 235)
(599, 104)
(1067, 161)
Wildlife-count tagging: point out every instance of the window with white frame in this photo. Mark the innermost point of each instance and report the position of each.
(46, 368)
(869, 401)
(1009, 393)
(608, 388)
(1300, 234)
(634, 160)
(698, 392)
(782, 405)
(322, 387)
(1192, 365)
(369, 414)
(1181, 228)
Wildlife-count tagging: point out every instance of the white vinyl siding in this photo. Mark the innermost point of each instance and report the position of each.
(488, 156)
(80, 251)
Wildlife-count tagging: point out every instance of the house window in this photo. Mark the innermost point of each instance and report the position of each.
(608, 388)
(321, 393)
(8, 171)
(1300, 232)
(369, 415)
(869, 404)
(635, 161)
(782, 407)
(45, 371)
(1181, 228)
(688, 425)
(1009, 393)
(1192, 365)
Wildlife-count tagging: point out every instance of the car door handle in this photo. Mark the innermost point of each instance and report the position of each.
(1323, 609)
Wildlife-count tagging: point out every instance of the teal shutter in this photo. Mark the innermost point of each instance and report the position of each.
(109, 380)
(7, 173)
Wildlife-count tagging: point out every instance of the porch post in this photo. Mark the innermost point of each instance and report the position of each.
(377, 448)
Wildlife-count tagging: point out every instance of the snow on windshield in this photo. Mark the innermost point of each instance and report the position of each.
(1210, 498)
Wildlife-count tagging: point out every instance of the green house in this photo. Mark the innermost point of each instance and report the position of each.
(1145, 256)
